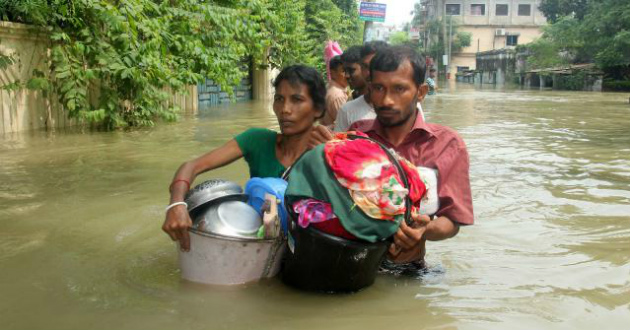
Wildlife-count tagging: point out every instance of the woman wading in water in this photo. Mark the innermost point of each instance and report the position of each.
(299, 100)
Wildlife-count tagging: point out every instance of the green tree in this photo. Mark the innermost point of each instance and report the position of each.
(324, 21)
(556, 9)
(434, 31)
(599, 34)
(399, 38)
(126, 52)
(606, 29)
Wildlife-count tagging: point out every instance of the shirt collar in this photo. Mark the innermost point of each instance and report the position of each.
(418, 125)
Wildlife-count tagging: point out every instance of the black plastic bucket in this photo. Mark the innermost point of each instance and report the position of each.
(321, 262)
(317, 261)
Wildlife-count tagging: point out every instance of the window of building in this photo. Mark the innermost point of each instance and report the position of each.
(524, 10)
(453, 9)
(462, 68)
(502, 10)
(478, 10)
(511, 41)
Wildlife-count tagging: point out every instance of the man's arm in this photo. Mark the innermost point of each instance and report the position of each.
(455, 206)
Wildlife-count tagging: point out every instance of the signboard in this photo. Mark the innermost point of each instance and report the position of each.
(372, 11)
(414, 33)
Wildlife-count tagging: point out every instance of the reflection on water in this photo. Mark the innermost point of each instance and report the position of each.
(81, 246)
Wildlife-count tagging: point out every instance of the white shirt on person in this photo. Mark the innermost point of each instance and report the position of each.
(355, 110)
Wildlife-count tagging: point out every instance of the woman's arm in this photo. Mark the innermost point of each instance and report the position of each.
(177, 219)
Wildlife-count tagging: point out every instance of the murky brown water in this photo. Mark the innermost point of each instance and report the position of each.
(81, 246)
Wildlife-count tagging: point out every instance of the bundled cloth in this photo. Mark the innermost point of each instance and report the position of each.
(354, 182)
(331, 50)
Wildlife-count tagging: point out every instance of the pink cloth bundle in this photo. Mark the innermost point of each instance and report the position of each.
(331, 50)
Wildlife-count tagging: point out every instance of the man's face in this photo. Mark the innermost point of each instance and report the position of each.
(395, 95)
(432, 74)
(365, 67)
(354, 76)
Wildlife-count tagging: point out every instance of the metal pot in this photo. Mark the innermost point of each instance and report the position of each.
(229, 218)
(221, 260)
(213, 191)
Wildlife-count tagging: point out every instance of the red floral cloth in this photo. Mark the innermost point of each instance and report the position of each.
(372, 179)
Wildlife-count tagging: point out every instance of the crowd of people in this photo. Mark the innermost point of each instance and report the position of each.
(388, 84)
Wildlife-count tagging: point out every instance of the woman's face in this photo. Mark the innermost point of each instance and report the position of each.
(294, 108)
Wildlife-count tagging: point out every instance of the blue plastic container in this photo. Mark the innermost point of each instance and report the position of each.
(256, 188)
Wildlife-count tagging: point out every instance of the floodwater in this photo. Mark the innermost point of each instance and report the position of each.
(81, 245)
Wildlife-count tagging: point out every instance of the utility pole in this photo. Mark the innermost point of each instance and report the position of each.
(450, 42)
(447, 60)
(367, 25)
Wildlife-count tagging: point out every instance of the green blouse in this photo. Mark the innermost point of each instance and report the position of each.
(259, 149)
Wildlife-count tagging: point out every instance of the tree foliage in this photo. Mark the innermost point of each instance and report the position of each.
(325, 20)
(436, 29)
(594, 31)
(399, 38)
(113, 60)
(556, 9)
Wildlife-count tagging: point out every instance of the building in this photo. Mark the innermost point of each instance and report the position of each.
(494, 24)
(380, 31)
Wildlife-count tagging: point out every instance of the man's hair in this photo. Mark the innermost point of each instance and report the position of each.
(391, 58)
(302, 74)
(433, 70)
(351, 55)
(372, 47)
(335, 62)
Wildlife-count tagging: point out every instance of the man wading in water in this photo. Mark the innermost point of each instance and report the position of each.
(397, 74)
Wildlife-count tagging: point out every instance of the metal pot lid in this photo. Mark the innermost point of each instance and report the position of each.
(239, 217)
(211, 190)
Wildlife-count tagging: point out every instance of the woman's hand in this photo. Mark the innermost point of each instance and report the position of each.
(177, 224)
(177, 220)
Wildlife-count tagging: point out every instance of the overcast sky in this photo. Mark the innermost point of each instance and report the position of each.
(398, 11)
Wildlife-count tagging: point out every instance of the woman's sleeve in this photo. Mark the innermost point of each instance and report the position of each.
(246, 140)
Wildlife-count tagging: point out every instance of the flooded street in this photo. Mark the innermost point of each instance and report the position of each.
(81, 245)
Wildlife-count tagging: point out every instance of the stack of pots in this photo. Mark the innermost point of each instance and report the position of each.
(224, 247)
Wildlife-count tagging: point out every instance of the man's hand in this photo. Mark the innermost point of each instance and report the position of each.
(320, 134)
(177, 224)
(409, 241)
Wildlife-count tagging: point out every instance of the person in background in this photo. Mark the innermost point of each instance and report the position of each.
(299, 100)
(336, 95)
(361, 107)
(431, 82)
(351, 59)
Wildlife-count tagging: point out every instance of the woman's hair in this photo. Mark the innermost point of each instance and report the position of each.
(302, 74)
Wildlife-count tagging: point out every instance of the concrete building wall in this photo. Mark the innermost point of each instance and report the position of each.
(484, 25)
(468, 17)
(484, 38)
